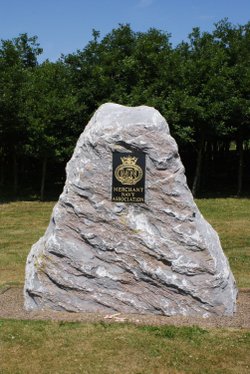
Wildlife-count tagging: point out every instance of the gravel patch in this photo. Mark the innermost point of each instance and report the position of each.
(11, 307)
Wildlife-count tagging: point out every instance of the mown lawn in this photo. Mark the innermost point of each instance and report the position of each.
(57, 347)
(22, 223)
(35, 347)
(231, 219)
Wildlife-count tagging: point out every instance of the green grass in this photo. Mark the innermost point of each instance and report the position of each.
(231, 219)
(57, 347)
(22, 223)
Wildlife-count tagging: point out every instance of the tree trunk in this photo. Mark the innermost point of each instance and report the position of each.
(15, 173)
(2, 172)
(197, 177)
(240, 164)
(44, 170)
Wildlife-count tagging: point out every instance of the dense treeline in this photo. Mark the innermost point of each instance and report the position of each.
(201, 86)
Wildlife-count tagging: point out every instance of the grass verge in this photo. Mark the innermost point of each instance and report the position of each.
(58, 347)
(231, 218)
(22, 223)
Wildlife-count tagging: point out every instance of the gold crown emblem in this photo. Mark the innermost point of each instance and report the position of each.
(128, 173)
(129, 160)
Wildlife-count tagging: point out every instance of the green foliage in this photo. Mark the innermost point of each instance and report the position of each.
(201, 87)
(49, 110)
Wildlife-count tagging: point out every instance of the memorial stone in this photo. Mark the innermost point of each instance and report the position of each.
(126, 235)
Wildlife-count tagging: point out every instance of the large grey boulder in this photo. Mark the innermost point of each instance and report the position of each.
(158, 257)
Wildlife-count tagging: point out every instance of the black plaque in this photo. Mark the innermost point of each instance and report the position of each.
(128, 177)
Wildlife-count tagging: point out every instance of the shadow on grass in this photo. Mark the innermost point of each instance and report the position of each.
(6, 197)
(53, 192)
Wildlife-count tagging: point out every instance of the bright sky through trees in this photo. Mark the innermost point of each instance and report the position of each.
(63, 26)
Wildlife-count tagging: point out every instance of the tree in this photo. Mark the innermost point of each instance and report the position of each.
(201, 99)
(201, 87)
(50, 108)
(17, 57)
(125, 67)
(235, 40)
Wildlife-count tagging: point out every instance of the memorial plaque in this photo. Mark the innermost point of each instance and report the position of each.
(128, 177)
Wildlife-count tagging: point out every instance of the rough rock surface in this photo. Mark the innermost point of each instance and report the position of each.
(157, 257)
